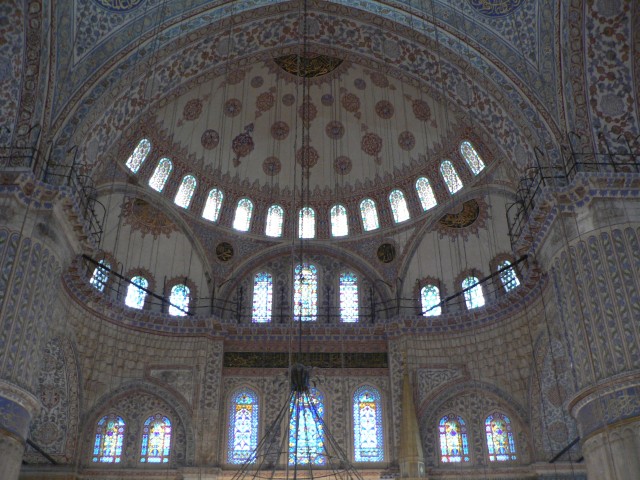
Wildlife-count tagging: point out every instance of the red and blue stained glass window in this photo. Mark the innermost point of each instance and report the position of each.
(500, 443)
(348, 297)
(156, 440)
(262, 297)
(306, 429)
(305, 293)
(107, 447)
(368, 439)
(243, 427)
(454, 445)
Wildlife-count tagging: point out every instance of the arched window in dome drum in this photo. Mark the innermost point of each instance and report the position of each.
(470, 155)
(454, 445)
(243, 426)
(212, 206)
(339, 221)
(179, 299)
(369, 214)
(348, 297)
(100, 275)
(242, 218)
(500, 443)
(275, 219)
(430, 301)
(308, 447)
(307, 223)
(156, 440)
(305, 293)
(508, 276)
(185, 191)
(473, 297)
(262, 297)
(368, 438)
(450, 176)
(107, 447)
(161, 174)
(398, 206)
(135, 294)
(425, 193)
(139, 155)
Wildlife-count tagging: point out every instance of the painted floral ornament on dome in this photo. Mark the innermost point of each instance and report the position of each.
(118, 5)
(242, 145)
(495, 8)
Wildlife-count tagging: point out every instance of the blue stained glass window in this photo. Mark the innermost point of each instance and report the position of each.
(275, 219)
(398, 206)
(339, 221)
(100, 275)
(454, 445)
(186, 191)
(135, 294)
(306, 430)
(508, 276)
(472, 158)
(212, 206)
(107, 447)
(369, 214)
(348, 297)
(430, 297)
(451, 178)
(156, 440)
(307, 223)
(368, 440)
(242, 219)
(161, 174)
(500, 441)
(243, 427)
(139, 155)
(262, 297)
(179, 299)
(473, 296)
(425, 193)
(305, 293)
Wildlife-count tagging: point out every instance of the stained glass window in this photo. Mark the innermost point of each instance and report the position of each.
(425, 193)
(161, 174)
(398, 206)
(305, 293)
(472, 158)
(156, 440)
(500, 441)
(212, 206)
(243, 427)
(339, 221)
(185, 191)
(454, 446)
(430, 300)
(107, 447)
(242, 218)
(348, 297)
(100, 275)
(508, 276)
(306, 431)
(135, 294)
(369, 214)
(473, 296)
(139, 155)
(275, 218)
(451, 178)
(307, 223)
(262, 297)
(179, 299)
(368, 441)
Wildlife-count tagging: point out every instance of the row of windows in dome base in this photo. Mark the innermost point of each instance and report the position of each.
(306, 215)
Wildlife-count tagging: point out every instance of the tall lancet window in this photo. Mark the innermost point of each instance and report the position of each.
(136, 294)
(275, 219)
(398, 206)
(107, 447)
(500, 443)
(161, 174)
(242, 219)
(307, 223)
(305, 293)
(339, 221)
(369, 214)
(425, 193)
(186, 191)
(470, 155)
(243, 426)
(214, 203)
(454, 446)
(139, 155)
(306, 433)
(348, 297)
(450, 176)
(156, 440)
(262, 297)
(368, 439)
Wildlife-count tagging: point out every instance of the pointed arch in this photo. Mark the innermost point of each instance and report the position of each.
(500, 443)
(161, 174)
(275, 221)
(185, 191)
(368, 430)
(242, 218)
(454, 444)
(107, 447)
(425, 194)
(339, 221)
(430, 300)
(450, 176)
(369, 214)
(471, 156)
(156, 440)
(307, 223)
(243, 426)
(398, 205)
(212, 207)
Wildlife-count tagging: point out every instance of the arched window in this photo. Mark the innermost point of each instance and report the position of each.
(161, 174)
(135, 294)
(451, 178)
(472, 158)
(242, 218)
(339, 221)
(107, 447)
(306, 430)
(307, 223)
(179, 299)
(212, 206)
(156, 440)
(398, 206)
(508, 275)
(368, 440)
(305, 293)
(473, 295)
(454, 446)
(185, 191)
(499, 438)
(430, 301)
(275, 219)
(243, 426)
(100, 275)
(369, 214)
(139, 155)
(425, 193)
(262, 297)
(348, 297)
